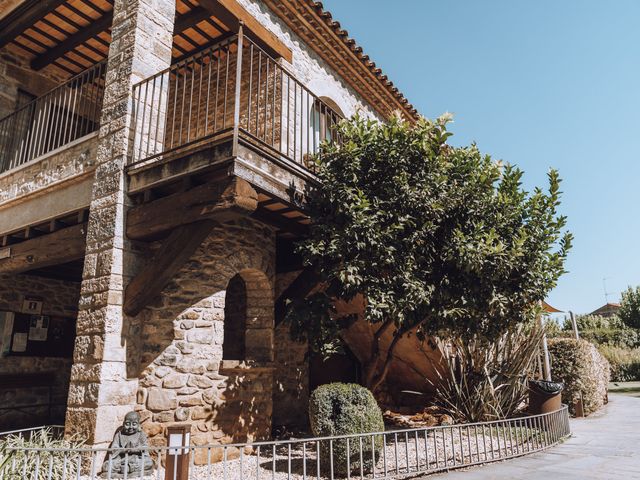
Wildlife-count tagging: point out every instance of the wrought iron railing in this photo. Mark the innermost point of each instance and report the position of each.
(66, 113)
(389, 454)
(232, 89)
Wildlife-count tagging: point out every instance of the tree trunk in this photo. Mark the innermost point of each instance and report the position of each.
(373, 378)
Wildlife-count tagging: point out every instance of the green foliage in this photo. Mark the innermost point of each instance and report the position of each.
(343, 409)
(40, 460)
(484, 381)
(583, 370)
(623, 337)
(629, 311)
(436, 238)
(594, 322)
(625, 362)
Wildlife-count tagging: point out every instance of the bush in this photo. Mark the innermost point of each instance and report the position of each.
(594, 322)
(625, 362)
(487, 380)
(343, 409)
(582, 369)
(617, 337)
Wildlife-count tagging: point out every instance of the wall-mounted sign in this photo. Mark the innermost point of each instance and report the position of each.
(5, 253)
(32, 306)
(38, 328)
(19, 342)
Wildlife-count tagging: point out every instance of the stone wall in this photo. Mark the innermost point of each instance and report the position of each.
(50, 171)
(183, 376)
(15, 74)
(60, 299)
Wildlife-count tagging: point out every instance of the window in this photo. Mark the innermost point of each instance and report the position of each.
(235, 320)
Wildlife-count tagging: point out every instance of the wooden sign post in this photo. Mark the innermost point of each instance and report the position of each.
(177, 465)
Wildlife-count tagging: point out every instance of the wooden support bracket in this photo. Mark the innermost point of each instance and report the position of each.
(174, 252)
(190, 215)
(220, 201)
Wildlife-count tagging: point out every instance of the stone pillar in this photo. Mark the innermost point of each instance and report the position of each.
(104, 377)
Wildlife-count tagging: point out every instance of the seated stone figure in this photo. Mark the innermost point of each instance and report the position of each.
(136, 458)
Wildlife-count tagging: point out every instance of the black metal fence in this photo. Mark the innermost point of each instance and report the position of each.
(389, 454)
(66, 113)
(232, 89)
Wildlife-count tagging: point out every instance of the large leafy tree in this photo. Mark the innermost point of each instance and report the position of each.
(629, 311)
(437, 240)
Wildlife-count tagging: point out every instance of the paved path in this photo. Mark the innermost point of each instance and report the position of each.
(604, 446)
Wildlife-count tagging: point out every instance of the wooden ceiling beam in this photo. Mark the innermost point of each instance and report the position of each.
(231, 13)
(282, 223)
(23, 17)
(61, 246)
(190, 19)
(84, 34)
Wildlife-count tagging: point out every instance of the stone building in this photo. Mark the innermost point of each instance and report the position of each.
(153, 163)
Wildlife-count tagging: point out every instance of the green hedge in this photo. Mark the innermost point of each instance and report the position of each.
(342, 409)
(583, 370)
(617, 337)
(625, 362)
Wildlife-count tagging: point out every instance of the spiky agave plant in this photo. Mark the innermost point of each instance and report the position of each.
(40, 455)
(485, 380)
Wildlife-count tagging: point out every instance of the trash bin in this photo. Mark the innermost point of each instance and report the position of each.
(544, 396)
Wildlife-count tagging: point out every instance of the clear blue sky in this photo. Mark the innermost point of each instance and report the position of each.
(539, 84)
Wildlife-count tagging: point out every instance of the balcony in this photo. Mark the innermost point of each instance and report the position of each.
(63, 115)
(230, 102)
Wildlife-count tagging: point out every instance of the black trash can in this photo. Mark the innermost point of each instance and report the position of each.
(544, 396)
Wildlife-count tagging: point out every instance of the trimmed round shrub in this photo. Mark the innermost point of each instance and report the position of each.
(582, 369)
(343, 409)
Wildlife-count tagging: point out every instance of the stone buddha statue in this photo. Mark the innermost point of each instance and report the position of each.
(136, 458)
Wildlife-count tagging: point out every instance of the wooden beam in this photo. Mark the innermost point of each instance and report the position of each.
(299, 288)
(282, 223)
(190, 19)
(71, 42)
(231, 13)
(23, 16)
(176, 249)
(61, 246)
(221, 201)
(182, 23)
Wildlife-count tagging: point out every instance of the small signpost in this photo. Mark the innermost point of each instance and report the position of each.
(177, 465)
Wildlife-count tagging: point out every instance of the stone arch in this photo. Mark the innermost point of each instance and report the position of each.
(248, 317)
(331, 95)
(330, 102)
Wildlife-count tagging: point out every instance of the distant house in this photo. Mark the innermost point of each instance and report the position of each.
(607, 310)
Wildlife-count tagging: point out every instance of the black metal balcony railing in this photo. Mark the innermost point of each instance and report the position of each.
(66, 113)
(231, 90)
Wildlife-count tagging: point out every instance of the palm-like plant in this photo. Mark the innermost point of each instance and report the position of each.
(486, 380)
(40, 455)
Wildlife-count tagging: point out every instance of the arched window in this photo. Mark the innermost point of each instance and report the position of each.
(235, 320)
(324, 116)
